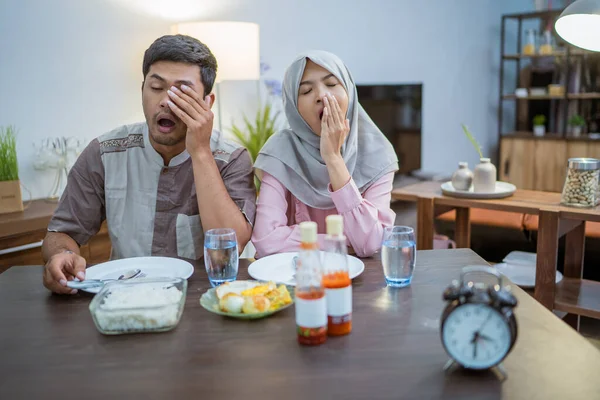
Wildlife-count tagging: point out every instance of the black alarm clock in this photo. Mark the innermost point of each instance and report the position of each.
(478, 325)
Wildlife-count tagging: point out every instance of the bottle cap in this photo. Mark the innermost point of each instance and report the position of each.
(335, 225)
(308, 232)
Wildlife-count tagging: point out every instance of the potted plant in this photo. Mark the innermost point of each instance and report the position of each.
(577, 122)
(539, 125)
(484, 175)
(10, 188)
(255, 134)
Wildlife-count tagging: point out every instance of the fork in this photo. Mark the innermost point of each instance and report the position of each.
(295, 267)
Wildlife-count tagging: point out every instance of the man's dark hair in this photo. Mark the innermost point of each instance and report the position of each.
(186, 49)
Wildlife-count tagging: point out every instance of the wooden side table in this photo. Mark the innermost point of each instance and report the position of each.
(22, 232)
(573, 294)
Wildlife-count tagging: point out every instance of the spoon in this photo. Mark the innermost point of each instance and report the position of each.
(100, 282)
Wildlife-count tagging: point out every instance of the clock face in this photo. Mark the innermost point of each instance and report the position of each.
(476, 336)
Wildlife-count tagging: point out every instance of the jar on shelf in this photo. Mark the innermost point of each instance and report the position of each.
(581, 184)
(529, 46)
(546, 43)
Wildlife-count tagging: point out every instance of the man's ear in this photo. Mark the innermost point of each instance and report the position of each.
(211, 99)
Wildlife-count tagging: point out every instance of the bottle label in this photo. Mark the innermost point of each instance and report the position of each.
(311, 313)
(339, 303)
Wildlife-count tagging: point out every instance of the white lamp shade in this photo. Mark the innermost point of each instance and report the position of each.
(234, 44)
(579, 24)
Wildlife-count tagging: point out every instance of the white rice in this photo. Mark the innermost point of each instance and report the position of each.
(139, 308)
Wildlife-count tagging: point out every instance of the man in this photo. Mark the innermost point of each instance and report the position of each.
(159, 184)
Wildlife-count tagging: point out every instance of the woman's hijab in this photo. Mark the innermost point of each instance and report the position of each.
(293, 157)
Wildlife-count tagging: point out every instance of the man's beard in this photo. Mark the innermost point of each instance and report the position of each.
(168, 140)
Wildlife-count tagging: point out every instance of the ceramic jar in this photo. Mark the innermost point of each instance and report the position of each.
(484, 177)
(462, 178)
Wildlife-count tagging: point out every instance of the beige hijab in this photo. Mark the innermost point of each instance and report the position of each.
(293, 157)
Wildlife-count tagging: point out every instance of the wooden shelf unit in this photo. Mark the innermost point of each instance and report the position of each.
(565, 51)
(523, 159)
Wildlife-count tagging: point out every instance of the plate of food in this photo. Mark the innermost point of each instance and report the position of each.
(247, 299)
(280, 268)
(150, 267)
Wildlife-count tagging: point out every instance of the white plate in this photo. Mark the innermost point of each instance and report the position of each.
(521, 275)
(520, 258)
(153, 267)
(279, 268)
(503, 189)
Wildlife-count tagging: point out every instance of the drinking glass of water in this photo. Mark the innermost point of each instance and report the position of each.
(398, 255)
(221, 255)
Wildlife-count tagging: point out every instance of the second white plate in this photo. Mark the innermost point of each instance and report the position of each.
(521, 275)
(503, 189)
(278, 268)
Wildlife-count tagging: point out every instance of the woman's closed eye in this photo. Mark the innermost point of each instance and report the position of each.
(328, 85)
(156, 89)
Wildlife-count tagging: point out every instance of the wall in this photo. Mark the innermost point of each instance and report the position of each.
(73, 68)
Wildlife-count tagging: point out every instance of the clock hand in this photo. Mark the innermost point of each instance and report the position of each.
(485, 322)
(485, 337)
(474, 341)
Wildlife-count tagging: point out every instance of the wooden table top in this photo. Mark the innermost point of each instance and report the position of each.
(49, 346)
(522, 201)
(36, 216)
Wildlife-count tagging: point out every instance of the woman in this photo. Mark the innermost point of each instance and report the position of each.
(332, 160)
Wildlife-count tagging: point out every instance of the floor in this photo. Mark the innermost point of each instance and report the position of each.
(406, 214)
(590, 328)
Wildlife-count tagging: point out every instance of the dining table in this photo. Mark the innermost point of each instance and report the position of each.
(50, 347)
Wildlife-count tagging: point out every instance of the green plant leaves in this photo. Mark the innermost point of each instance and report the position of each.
(254, 134)
(9, 169)
(472, 140)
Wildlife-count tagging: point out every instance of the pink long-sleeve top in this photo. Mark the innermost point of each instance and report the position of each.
(279, 212)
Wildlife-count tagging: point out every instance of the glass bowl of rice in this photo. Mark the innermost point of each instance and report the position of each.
(139, 305)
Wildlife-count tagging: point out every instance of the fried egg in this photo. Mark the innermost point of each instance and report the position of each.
(260, 289)
(236, 287)
(255, 304)
(231, 303)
